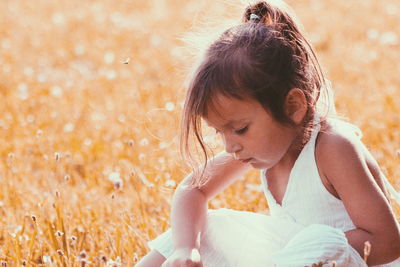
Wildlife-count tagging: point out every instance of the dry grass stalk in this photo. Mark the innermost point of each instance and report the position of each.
(367, 250)
(89, 91)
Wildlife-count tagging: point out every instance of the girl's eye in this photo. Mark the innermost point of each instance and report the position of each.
(242, 130)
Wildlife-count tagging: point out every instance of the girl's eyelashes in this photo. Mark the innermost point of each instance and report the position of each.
(242, 130)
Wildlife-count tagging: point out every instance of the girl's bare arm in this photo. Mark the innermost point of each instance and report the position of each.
(346, 165)
(189, 205)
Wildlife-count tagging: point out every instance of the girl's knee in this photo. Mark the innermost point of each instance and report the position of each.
(152, 259)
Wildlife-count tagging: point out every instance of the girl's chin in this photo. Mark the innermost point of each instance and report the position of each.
(260, 165)
(257, 165)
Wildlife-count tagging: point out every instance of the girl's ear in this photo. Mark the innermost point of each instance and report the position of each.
(296, 105)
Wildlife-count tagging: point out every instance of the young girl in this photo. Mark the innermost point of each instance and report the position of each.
(260, 86)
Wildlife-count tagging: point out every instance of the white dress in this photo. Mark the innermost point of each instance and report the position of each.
(307, 228)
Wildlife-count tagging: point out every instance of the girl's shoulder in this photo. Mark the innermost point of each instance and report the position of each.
(338, 138)
(339, 150)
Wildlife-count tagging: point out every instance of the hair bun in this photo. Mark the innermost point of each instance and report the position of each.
(260, 11)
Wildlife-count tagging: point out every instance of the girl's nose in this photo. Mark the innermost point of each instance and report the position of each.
(232, 147)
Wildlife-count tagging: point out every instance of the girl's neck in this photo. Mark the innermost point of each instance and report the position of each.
(291, 155)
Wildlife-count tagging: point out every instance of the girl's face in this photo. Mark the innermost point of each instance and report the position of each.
(250, 133)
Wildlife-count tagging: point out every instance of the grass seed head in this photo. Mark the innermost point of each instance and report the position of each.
(83, 262)
(59, 233)
(72, 242)
(82, 254)
(131, 143)
(60, 252)
(103, 258)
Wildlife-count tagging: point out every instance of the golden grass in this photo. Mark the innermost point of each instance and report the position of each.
(91, 99)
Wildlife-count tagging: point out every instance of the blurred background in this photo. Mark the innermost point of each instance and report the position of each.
(91, 95)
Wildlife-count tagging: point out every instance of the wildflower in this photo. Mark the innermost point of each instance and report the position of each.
(59, 233)
(103, 258)
(109, 57)
(135, 257)
(39, 133)
(116, 263)
(144, 142)
(111, 74)
(163, 145)
(57, 156)
(142, 156)
(56, 91)
(58, 18)
(87, 142)
(373, 34)
(131, 142)
(46, 259)
(79, 49)
(126, 60)
(116, 180)
(23, 91)
(30, 118)
(170, 183)
(83, 262)
(72, 241)
(121, 118)
(169, 106)
(389, 38)
(82, 254)
(69, 127)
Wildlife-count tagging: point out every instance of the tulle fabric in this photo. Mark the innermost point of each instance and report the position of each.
(242, 239)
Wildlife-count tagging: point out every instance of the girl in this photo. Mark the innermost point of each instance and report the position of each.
(260, 86)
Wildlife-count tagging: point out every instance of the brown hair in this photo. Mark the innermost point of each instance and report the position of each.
(263, 58)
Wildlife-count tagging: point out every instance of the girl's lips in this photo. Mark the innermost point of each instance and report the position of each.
(246, 160)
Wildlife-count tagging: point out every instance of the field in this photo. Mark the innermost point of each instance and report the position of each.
(91, 95)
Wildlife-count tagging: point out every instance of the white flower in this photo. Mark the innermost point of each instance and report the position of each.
(169, 106)
(116, 180)
(170, 183)
(46, 259)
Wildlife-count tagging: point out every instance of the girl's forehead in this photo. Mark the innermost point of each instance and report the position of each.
(225, 110)
(225, 104)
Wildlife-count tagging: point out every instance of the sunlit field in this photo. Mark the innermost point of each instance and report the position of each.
(91, 95)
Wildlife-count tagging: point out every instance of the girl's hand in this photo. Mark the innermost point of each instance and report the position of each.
(185, 257)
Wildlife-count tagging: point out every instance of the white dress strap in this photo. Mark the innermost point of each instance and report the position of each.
(393, 193)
